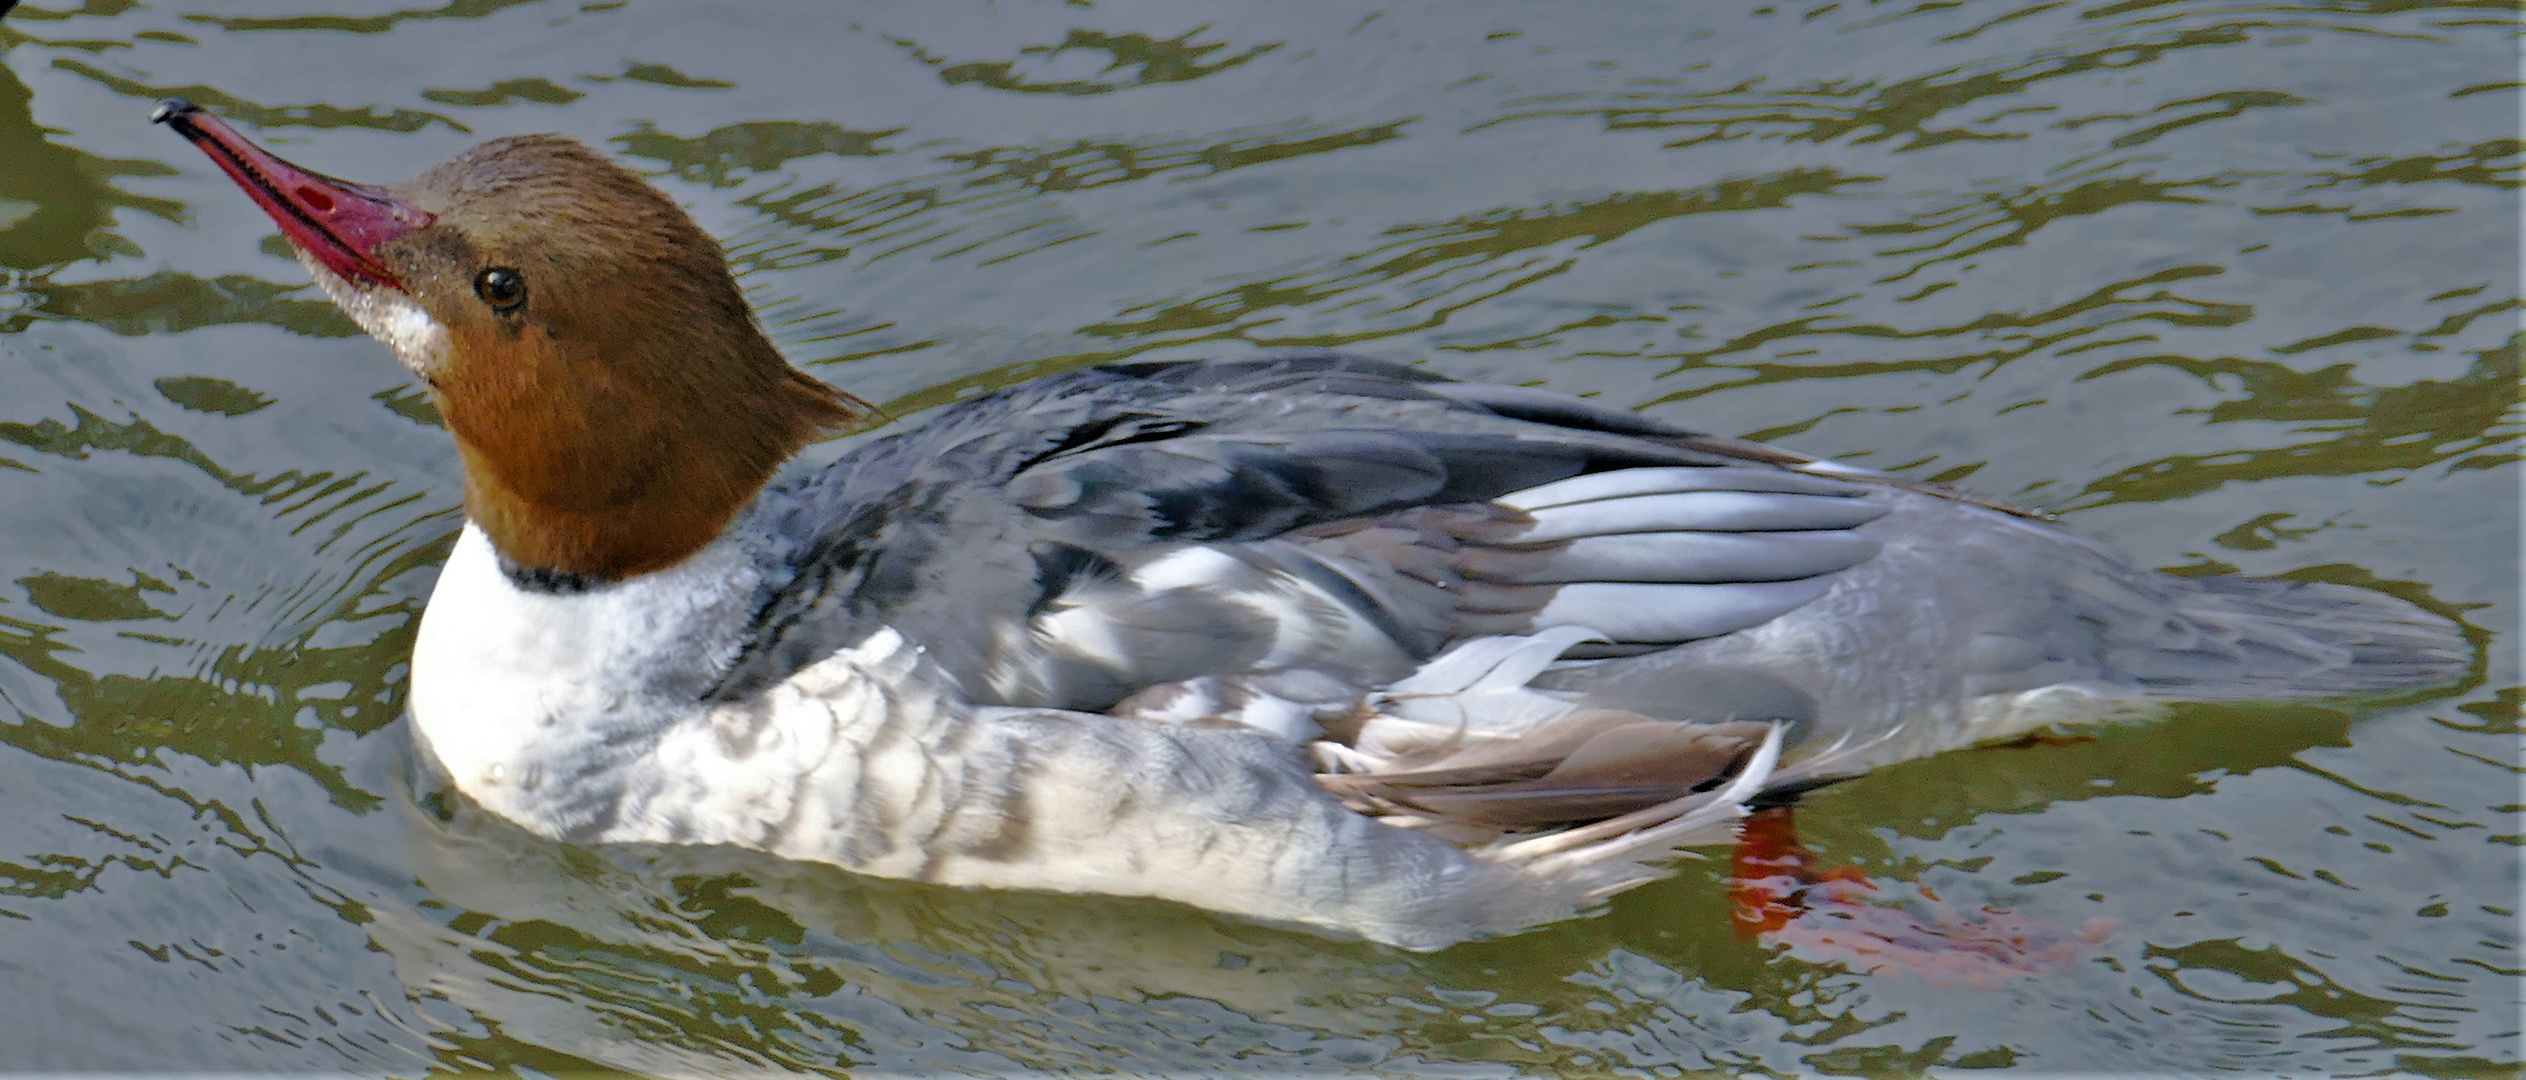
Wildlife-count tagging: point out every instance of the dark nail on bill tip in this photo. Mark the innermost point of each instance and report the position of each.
(170, 108)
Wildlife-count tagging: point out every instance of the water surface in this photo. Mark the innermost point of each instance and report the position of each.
(2230, 284)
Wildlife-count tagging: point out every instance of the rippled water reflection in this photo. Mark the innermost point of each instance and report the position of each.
(2230, 284)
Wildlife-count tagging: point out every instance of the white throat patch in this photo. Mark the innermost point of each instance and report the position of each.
(389, 315)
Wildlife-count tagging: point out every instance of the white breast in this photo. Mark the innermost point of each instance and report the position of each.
(581, 717)
(539, 705)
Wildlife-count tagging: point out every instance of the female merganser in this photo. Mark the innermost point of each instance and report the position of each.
(1312, 638)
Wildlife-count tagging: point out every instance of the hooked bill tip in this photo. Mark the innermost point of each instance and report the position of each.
(171, 108)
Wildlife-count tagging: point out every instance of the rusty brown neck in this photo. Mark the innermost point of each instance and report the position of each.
(584, 469)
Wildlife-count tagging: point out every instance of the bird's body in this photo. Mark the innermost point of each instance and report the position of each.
(1310, 638)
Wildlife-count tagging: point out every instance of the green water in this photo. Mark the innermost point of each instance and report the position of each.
(2227, 284)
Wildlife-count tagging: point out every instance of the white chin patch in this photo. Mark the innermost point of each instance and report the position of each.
(389, 315)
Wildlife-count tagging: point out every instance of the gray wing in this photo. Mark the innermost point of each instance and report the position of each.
(1270, 541)
(1320, 520)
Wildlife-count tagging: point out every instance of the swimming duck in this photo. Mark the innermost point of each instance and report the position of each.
(1310, 638)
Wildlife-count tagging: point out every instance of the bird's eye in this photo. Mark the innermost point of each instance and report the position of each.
(502, 288)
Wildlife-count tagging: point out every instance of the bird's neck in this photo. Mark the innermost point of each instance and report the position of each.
(582, 473)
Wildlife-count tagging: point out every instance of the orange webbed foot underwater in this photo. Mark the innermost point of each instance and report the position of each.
(1782, 896)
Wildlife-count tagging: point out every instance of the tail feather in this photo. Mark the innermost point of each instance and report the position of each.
(2261, 638)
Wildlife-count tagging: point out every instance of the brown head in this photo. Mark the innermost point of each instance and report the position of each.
(612, 399)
